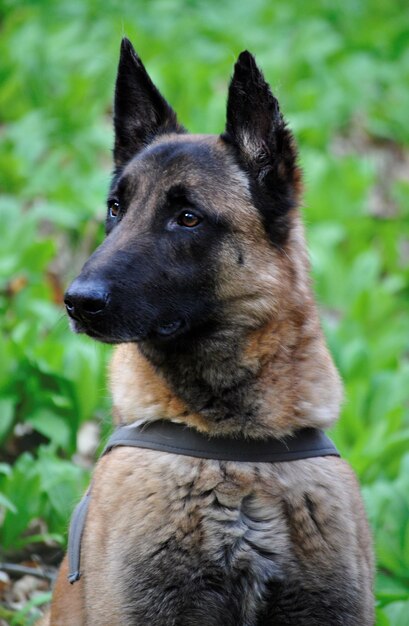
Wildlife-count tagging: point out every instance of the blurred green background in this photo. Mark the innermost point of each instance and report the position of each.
(341, 73)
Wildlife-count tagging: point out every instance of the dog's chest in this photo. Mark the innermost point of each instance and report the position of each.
(222, 515)
(182, 534)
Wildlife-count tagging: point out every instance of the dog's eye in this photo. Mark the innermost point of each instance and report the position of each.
(113, 208)
(188, 219)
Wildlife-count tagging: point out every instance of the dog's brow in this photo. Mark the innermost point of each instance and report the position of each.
(124, 188)
(178, 192)
(124, 184)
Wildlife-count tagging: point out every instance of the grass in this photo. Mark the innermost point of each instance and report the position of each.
(341, 73)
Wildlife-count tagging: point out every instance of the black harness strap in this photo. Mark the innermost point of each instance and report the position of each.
(75, 537)
(174, 438)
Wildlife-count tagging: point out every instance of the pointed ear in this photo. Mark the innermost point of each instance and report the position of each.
(140, 111)
(265, 147)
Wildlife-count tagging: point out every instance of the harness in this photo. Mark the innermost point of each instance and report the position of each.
(174, 438)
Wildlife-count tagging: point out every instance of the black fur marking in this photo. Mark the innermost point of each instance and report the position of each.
(230, 399)
(311, 508)
(263, 146)
(332, 603)
(140, 112)
(211, 595)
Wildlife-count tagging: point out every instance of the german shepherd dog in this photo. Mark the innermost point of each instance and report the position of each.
(202, 282)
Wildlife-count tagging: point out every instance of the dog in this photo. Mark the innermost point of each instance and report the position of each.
(202, 282)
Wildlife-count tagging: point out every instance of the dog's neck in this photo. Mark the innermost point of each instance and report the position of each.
(264, 382)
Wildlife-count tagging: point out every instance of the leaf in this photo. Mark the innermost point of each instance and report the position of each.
(41, 538)
(26, 616)
(52, 426)
(7, 504)
(21, 487)
(5, 469)
(389, 589)
(398, 613)
(382, 619)
(7, 406)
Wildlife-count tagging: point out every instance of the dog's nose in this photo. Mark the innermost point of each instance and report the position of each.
(85, 299)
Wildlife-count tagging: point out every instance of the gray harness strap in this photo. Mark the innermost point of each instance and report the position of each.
(174, 438)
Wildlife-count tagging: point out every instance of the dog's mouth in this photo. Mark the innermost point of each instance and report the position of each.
(80, 328)
(163, 331)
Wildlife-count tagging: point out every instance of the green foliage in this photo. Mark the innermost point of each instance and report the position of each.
(341, 73)
(388, 508)
(42, 487)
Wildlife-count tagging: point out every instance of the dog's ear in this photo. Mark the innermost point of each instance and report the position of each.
(264, 145)
(140, 111)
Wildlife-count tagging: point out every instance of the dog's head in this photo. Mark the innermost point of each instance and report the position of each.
(197, 226)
